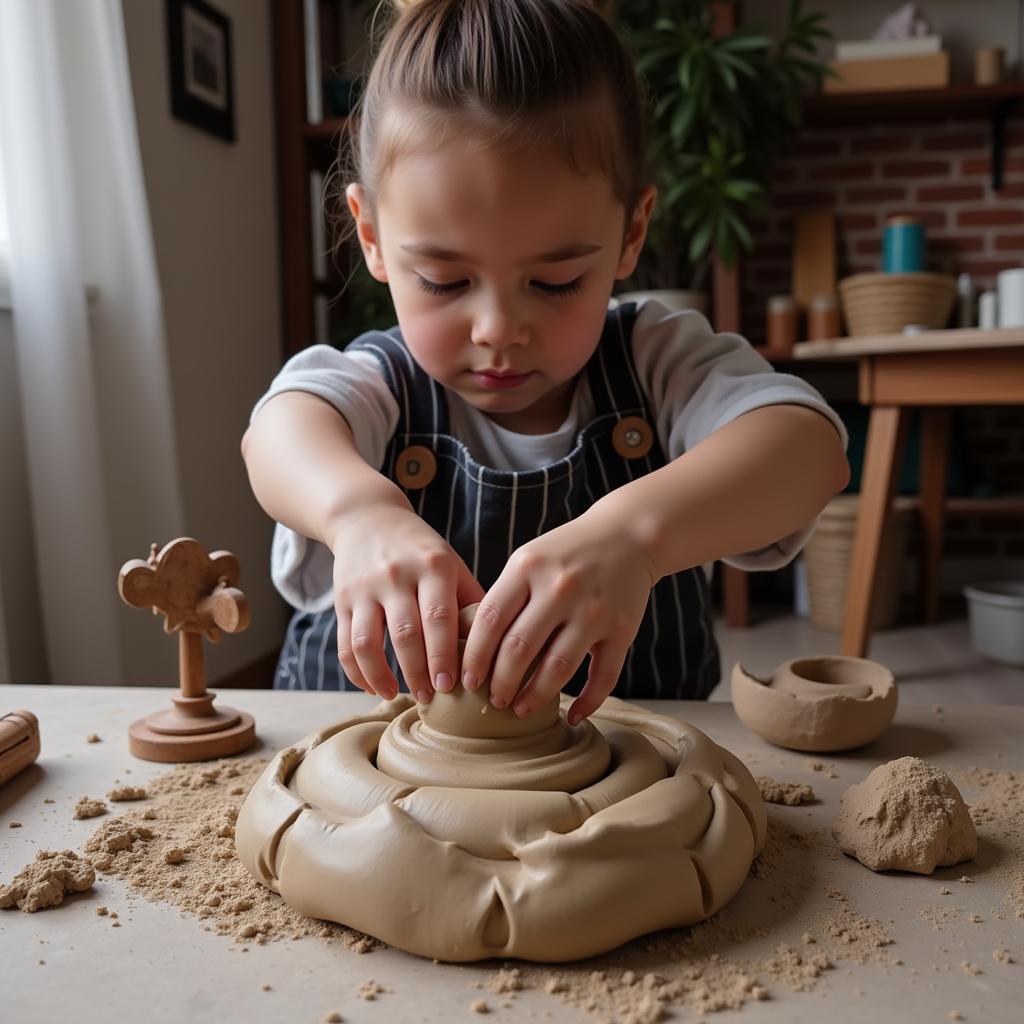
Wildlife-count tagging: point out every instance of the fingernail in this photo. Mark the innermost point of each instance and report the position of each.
(469, 681)
(499, 702)
(443, 683)
(423, 696)
(574, 717)
(521, 710)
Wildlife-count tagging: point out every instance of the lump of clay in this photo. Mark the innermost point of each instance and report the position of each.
(817, 704)
(46, 881)
(906, 815)
(461, 832)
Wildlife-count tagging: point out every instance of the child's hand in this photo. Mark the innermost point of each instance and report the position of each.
(391, 570)
(582, 587)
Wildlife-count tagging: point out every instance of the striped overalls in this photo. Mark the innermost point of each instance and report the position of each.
(485, 514)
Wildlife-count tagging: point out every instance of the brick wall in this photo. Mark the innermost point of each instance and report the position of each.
(939, 173)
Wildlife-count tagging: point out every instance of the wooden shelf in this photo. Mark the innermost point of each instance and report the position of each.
(925, 341)
(904, 105)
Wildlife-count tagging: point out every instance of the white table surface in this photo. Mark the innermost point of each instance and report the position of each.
(162, 965)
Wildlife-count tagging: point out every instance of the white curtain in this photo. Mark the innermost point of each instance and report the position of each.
(92, 372)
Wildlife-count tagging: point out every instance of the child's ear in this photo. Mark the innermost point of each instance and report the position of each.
(365, 231)
(636, 232)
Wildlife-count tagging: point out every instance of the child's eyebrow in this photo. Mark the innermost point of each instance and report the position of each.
(566, 252)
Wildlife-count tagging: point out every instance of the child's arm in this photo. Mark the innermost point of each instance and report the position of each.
(392, 571)
(585, 585)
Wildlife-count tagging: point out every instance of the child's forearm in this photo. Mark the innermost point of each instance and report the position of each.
(754, 481)
(305, 470)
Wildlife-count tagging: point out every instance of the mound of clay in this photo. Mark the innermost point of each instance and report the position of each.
(817, 704)
(47, 880)
(907, 816)
(460, 832)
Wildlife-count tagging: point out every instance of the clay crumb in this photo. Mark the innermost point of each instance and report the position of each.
(175, 855)
(966, 880)
(508, 979)
(120, 793)
(369, 990)
(936, 709)
(792, 794)
(975, 919)
(47, 800)
(955, 1015)
(47, 880)
(554, 985)
(944, 891)
(14, 824)
(1002, 956)
(101, 911)
(265, 987)
(479, 1006)
(968, 968)
(334, 1017)
(87, 807)
(93, 738)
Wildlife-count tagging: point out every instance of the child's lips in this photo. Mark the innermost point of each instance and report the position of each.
(499, 381)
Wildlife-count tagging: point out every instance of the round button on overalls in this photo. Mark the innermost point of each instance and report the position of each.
(632, 437)
(415, 467)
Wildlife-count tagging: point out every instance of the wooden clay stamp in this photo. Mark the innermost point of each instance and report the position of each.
(198, 595)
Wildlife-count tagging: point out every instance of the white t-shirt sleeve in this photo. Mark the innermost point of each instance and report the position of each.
(697, 381)
(303, 569)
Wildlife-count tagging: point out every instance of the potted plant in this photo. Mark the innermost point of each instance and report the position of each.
(724, 106)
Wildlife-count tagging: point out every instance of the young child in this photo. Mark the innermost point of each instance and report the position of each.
(513, 440)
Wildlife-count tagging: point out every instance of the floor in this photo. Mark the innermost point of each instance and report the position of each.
(933, 664)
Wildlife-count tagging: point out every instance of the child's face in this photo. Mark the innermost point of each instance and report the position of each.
(460, 238)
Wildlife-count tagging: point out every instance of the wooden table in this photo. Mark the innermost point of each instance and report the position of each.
(163, 966)
(934, 371)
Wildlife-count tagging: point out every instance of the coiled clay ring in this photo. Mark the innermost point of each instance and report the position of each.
(460, 832)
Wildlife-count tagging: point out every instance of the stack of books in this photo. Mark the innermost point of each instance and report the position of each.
(875, 65)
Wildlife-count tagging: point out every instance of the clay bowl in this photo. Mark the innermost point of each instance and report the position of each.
(817, 704)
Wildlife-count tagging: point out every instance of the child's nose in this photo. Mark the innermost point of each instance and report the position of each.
(499, 328)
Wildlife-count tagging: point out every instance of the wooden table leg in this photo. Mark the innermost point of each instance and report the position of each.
(935, 427)
(882, 459)
(735, 596)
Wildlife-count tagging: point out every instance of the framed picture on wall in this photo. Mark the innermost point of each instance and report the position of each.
(199, 56)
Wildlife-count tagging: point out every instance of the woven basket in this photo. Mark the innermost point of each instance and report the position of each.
(886, 303)
(829, 552)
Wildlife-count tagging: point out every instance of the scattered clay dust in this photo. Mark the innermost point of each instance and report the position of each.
(89, 808)
(997, 811)
(47, 880)
(180, 849)
(790, 793)
(127, 793)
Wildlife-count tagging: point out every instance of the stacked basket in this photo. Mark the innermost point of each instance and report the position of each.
(828, 555)
(886, 303)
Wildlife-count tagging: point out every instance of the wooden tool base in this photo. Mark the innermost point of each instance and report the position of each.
(191, 731)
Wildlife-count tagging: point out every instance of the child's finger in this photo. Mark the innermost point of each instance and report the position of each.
(606, 661)
(557, 666)
(346, 655)
(439, 611)
(405, 626)
(499, 607)
(368, 647)
(524, 639)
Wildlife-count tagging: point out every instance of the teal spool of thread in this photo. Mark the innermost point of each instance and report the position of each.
(903, 246)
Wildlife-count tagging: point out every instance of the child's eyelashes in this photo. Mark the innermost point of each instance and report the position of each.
(433, 288)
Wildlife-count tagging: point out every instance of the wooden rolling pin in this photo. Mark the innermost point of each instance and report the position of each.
(19, 743)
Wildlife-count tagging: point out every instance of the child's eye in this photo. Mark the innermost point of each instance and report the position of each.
(433, 288)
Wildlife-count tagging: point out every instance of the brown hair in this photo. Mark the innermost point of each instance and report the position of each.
(509, 72)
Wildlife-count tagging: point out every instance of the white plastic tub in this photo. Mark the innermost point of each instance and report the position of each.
(996, 614)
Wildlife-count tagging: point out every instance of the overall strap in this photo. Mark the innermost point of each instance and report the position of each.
(422, 405)
(614, 383)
